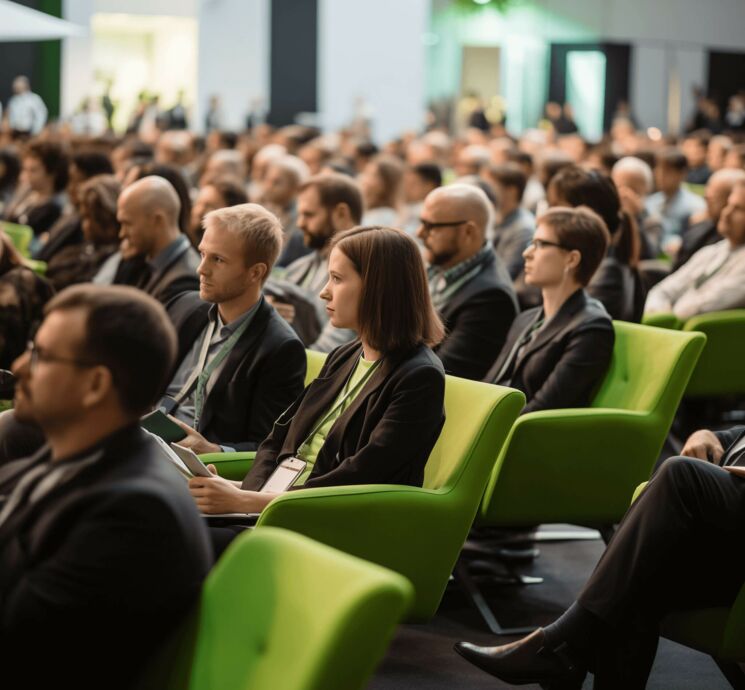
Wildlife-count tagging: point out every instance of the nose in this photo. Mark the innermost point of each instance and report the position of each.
(529, 251)
(20, 366)
(202, 268)
(325, 293)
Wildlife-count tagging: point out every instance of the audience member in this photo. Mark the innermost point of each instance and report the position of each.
(714, 277)
(39, 200)
(419, 180)
(534, 192)
(68, 229)
(10, 171)
(558, 353)
(376, 409)
(381, 182)
(719, 147)
(694, 148)
(471, 159)
(101, 550)
(704, 233)
(79, 263)
(283, 179)
(23, 295)
(516, 225)
(671, 552)
(469, 285)
(673, 202)
(227, 396)
(148, 213)
(178, 182)
(215, 194)
(616, 282)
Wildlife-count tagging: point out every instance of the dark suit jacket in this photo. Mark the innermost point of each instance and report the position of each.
(619, 287)
(96, 573)
(66, 231)
(385, 435)
(477, 319)
(729, 438)
(180, 275)
(261, 376)
(566, 360)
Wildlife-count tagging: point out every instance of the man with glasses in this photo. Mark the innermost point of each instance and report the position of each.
(469, 284)
(102, 551)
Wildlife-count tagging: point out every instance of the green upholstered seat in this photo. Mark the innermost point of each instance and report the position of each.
(282, 611)
(662, 320)
(315, 364)
(581, 465)
(20, 236)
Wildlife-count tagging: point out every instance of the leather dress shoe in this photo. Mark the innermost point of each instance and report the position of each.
(526, 661)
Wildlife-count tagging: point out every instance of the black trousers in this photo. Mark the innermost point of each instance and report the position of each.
(678, 547)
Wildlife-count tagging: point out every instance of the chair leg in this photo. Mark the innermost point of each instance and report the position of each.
(478, 600)
(733, 672)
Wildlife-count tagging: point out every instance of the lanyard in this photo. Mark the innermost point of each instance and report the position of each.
(347, 395)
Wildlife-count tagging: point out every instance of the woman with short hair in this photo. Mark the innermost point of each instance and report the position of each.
(558, 353)
(375, 411)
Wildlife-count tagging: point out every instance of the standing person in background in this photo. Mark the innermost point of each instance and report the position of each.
(26, 114)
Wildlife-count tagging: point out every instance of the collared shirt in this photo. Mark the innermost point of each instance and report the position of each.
(27, 112)
(444, 284)
(167, 255)
(185, 410)
(675, 210)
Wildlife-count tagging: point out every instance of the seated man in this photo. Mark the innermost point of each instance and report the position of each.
(516, 226)
(714, 277)
(675, 549)
(228, 396)
(327, 205)
(469, 284)
(102, 551)
(148, 212)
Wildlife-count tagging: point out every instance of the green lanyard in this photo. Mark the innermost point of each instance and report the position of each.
(347, 394)
(205, 371)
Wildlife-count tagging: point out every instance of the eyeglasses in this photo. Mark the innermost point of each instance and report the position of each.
(540, 244)
(429, 227)
(36, 355)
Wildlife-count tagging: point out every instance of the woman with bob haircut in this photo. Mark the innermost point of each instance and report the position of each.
(376, 409)
(557, 353)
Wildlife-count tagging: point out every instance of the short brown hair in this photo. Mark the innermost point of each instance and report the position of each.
(129, 333)
(391, 172)
(100, 195)
(53, 156)
(334, 189)
(583, 230)
(395, 311)
(259, 229)
(509, 175)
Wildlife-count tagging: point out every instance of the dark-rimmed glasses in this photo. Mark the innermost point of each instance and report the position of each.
(36, 355)
(540, 244)
(429, 227)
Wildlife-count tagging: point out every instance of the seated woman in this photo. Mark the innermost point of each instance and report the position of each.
(617, 282)
(376, 409)
(381, 182)
(39, 200)
(23, 295)
(558, 353)
(78, 263)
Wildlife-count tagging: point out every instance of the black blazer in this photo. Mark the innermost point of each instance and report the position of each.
(477, 320)
(66, 231)
(729, 438)
(180, 275)
(261, 376)
(619, 287)
(100, 570)
(385, 435)
(567, 359)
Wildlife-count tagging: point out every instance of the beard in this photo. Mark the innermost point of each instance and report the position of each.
(440, 258)
(317, 242)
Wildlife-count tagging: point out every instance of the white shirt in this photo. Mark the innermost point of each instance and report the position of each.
(724, 289)
(27, 112)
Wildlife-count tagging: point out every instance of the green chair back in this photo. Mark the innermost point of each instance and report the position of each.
(662, 320)
(417, 532)
(581, 465)
(20, 236)
(721, 367)
(315, 364)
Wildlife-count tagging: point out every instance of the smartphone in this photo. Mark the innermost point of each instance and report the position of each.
(192, 461)
(159, 424)
(284, 476)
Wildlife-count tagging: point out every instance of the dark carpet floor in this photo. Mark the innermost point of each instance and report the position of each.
(422, 656)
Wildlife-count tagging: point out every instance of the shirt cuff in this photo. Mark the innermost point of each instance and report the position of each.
(227, 449)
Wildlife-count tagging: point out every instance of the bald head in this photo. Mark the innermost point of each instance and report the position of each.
(148, 212)
(462, 202)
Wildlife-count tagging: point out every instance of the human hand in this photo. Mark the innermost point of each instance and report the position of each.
(218, 495)
(631, 202)
(703, 445)
(195, 440)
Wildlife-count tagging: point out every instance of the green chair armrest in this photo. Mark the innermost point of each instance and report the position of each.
(380, 523)
(233, 466)
(639, 490)
(570, 465)
(669, 321)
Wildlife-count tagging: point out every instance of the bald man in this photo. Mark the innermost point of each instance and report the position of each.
(469, 284)
(148, 212)
(704, 233)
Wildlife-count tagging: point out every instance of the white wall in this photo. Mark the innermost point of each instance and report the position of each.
(233, 57)
(76, 73)
(373, 50)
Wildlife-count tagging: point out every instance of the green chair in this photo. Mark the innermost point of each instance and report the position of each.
(282, 611)
(417, 532)
(662, 320)
(235, 466)
(580, 466)
(20, 236)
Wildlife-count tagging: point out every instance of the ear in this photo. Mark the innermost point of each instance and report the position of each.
(100, 384)
(258, 272)
(575, 258)
(341, 216)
